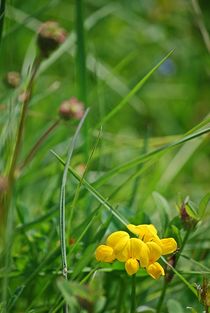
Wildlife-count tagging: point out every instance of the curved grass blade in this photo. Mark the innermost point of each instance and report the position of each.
(138, 86)
(63, 202)
(94, 192)
(148, 156)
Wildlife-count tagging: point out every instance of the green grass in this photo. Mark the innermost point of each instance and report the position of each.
(138, 156)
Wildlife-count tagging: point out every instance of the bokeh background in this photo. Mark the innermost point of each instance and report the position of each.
(123, 40)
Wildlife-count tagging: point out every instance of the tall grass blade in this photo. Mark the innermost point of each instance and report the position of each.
(136, 88)
(63, 201)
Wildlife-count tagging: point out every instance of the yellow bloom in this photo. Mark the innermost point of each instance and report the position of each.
(168, 245)
(119, 241)
(144, 231)
(135, 252)
(104, 254)
(131, 266)
(155, 251)
(155, 270)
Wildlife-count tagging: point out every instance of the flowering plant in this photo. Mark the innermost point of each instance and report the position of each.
(141, 251)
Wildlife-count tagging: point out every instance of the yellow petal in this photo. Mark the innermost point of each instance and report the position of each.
(122, 249)
(135, 248)
(155, 270)
(155, 251)
(115, 237)
(131, 266)
(144, 231)
(168, 245)
(104, 254)
(144, 256)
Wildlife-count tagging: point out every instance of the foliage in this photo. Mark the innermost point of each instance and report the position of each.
(140, 154)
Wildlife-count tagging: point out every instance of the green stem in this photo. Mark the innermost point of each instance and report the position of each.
(120, 296)
(2, 14)
(160, 302)
(18, 143)
(81, 64)
(166, 283)
(5, 203)
(39, 142)
(133, 295)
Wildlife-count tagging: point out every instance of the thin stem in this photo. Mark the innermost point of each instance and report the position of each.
(37, 145)
(160, 302)
(120, 296)
(167, 282)
(5, 202)
(2, 14)
(133, 294)
(201, 25)
(20, 130)
(81, 64)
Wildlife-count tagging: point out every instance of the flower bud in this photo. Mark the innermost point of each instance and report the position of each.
(155, 270)
(71, 108)
(188, 220)
(132, 266)
(104, 254)
(12, 79)
(50, 36)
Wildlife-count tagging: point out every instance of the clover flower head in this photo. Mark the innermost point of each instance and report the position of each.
(141, 251)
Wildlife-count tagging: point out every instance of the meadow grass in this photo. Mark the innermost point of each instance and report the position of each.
(136, 153)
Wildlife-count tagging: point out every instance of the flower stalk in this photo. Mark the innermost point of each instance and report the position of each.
(133, 294)
(38, 143)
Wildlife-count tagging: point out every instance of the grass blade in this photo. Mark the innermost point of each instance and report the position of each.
(63, 200)
(133, 91)
(94, 192)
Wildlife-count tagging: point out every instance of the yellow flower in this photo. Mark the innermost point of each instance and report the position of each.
(119, 242)
(144, 231)
(155, 270)
(131, 266)
(168, 245)
(104, 254)
(137, 252)
(148, 233)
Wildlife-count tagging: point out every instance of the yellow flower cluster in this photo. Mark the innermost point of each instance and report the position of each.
(143, 251)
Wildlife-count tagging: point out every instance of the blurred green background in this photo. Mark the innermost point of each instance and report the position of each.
(124, 40)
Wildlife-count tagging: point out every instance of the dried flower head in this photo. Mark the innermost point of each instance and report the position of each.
(71, 109)
(50, 37)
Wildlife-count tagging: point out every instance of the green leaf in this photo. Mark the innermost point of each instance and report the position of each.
(192, 210)
(174, 306)
(203, 205)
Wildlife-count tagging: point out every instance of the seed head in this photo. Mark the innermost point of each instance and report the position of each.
(71, 109)
(50, 37)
